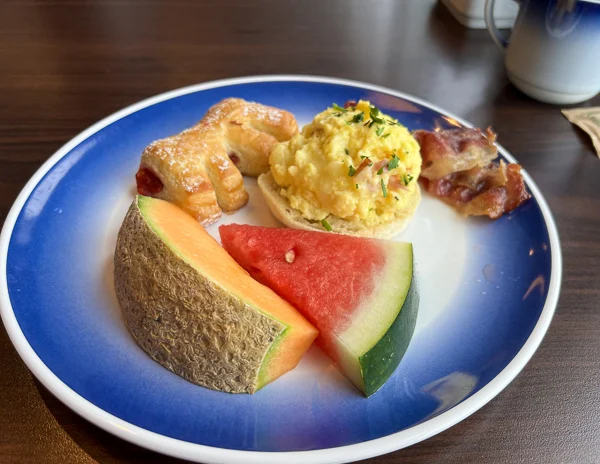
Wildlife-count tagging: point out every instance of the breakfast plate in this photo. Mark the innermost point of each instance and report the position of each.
(488, 291)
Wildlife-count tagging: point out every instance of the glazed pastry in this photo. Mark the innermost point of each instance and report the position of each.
(200, 169)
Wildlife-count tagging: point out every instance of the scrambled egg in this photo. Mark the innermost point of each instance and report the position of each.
(357, 164)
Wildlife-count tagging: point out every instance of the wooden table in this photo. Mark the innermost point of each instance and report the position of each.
(66, 64)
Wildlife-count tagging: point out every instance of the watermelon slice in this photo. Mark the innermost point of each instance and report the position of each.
(359, 293)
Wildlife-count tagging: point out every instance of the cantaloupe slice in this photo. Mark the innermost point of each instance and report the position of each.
(193, 309)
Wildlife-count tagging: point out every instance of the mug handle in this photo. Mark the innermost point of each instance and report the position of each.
(488, 16)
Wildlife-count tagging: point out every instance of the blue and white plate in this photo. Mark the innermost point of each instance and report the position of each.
(488, 293)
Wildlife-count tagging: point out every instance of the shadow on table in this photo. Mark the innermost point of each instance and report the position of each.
(98, 444)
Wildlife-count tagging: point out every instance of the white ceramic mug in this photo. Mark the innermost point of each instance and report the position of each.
(554, 50)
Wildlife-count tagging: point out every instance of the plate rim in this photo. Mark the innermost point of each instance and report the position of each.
(209, 454)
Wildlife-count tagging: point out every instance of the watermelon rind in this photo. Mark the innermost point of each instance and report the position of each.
(371, 348)
(380, 362)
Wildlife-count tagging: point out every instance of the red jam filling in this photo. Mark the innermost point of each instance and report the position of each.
(148, 183)
(235, 159)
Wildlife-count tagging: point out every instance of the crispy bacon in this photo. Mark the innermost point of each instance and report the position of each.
(458, 168)
(366, 162)
(515, 187)
(491, 190)
(453, 150)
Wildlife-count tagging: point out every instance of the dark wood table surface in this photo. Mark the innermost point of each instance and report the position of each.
(66, 64)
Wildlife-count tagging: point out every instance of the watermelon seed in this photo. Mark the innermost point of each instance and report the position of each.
(290, 256)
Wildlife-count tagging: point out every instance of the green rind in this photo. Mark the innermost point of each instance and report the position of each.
(376, 312)
(263, 378)
(380, 362)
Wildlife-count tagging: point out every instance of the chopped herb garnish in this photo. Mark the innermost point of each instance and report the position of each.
(383, 189)
(379, 130)
(375, 115)
(362, 157)
(325, 224)
(339, 108)
(346, 151)
(366, 124)
(393, 164)
(351, 171)
(397, 199)
(357, 118)
(380, 171)
(356, 186)
(407, 178)
(385, 135)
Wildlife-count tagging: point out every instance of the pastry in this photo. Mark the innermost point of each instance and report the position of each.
(201, 169)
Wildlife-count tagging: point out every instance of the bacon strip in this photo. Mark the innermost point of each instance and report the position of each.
(453, 150)
(458, 168)
(366, 162)
(515, 188)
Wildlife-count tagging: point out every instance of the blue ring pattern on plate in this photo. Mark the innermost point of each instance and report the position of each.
(62, 310)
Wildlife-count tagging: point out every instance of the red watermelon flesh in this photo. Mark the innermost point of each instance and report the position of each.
(352, 289)
(327, 291)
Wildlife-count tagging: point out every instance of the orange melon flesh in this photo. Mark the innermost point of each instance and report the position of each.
(188, 239)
